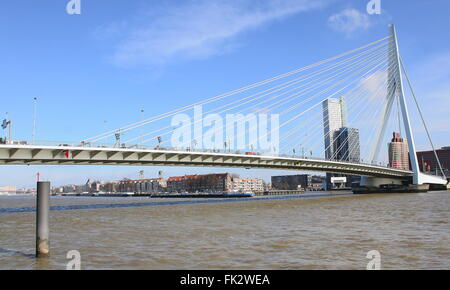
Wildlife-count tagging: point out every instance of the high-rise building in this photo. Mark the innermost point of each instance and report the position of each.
(341, 142)
(346, 148)
(398, 152)
(334, 118)
(347, 145)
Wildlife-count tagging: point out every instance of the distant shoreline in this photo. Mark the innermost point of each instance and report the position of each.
(174, 202)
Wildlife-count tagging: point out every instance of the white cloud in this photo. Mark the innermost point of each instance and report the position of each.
(349, 21)
(197, 28)
(376, 85)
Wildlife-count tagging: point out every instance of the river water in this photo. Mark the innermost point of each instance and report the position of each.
(411, 231)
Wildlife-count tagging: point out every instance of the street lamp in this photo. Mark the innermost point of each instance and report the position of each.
(159, 141)
(117, 135)
(8, 123)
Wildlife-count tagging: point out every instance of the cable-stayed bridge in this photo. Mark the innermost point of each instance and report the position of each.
(332, 116)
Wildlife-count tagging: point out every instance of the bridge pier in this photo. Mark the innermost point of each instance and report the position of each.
(42, 219)
(378, 181)
(388, 185)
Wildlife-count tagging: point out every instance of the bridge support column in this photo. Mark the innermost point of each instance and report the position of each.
(42, 219)
(375, 182)
(388, 185)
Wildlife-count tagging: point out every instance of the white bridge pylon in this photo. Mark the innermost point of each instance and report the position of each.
(396, 92)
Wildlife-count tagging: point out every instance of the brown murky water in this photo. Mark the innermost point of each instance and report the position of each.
(411, 231)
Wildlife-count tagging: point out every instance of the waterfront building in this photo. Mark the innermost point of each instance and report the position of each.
(94, 186)
(83, 188)
(110, 187)
(398, 152)
(143, 186)
(297, 182)
(429, 164)
(8, 189)
(69, 188)
(248, 184)
(176, 184)
(317, 183)
(209, 183)
(291, 182)
(200, 183)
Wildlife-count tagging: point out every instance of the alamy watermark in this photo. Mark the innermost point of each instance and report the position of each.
(374, 7)
(234, 132)
(75, 260)
(73, 7)
(375, 260)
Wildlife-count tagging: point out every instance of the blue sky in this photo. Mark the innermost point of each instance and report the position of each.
(95, 71)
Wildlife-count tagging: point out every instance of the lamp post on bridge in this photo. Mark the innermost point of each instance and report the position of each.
(117, 135)
(8, 124)
(159, 141)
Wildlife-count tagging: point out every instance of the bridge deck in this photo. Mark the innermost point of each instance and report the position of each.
(64, 155)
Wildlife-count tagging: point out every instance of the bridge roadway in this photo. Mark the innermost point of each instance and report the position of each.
(76, 155)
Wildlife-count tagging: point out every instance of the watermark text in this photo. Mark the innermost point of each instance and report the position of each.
(73, 7)
(75, 260)
(374, 7)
